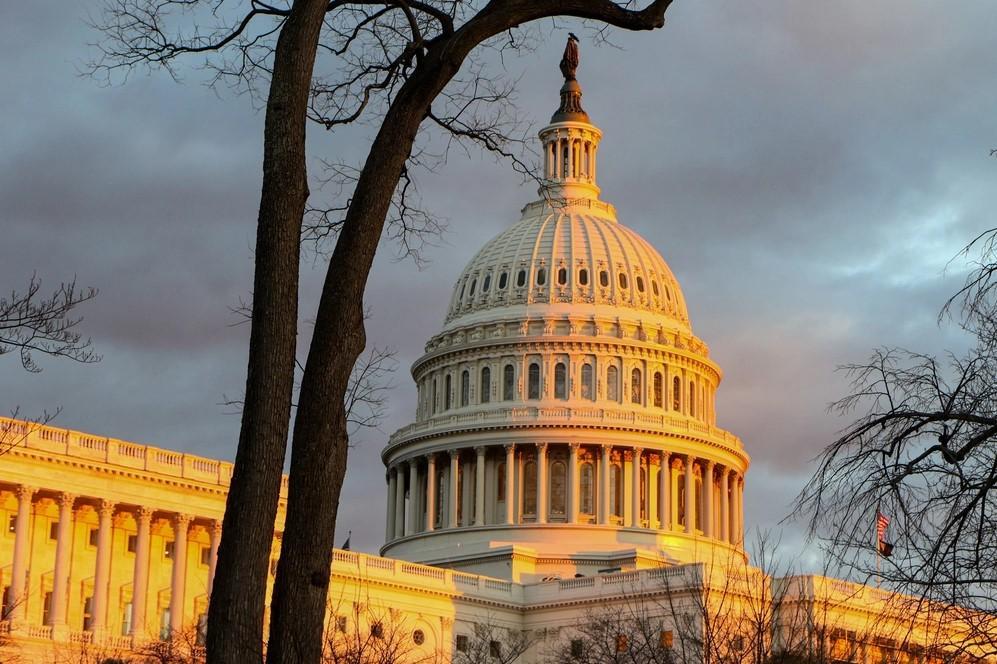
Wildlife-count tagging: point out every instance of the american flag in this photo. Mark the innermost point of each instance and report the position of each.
(882, 521)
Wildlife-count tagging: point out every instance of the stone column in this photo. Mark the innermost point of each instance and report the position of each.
(740, 509)
(708, 526)
(604, 485)
(63, 551)
(430, 492)
(725, 505)
(541, 482)
(19, 568)
(178, 586)
(102, 575)
(479, 487)
(389, 526)
(635, 491)
(413, 498)
(664, 492)
(140, 580)
(454, 478)
(574, 489)
(510, 483)
(399, 502)
(216, 538)
(690, 497)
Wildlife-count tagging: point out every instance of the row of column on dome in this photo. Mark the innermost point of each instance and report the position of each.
(570, 157)
(85, 564)
(563, 377)
(564, 483)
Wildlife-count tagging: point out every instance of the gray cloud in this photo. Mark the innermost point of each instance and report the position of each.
(807, 170)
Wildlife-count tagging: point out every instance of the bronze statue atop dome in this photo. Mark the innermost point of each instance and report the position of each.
(569, 61)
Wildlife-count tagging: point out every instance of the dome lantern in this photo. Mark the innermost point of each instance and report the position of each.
(570, 141)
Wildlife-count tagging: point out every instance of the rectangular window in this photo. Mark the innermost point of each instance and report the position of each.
(577, 649)
(53, 531)
(205, 556)
(47, 608)
(92, 540)
(621, 643)
(12, 523)
(377, 630)
(168, 550)
(495, 649)
(132, 543)
(461, 643)
(666, 640)
(341, 623)
(87, 613)
(126, 619)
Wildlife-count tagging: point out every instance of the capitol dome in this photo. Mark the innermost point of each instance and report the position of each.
(565, 411)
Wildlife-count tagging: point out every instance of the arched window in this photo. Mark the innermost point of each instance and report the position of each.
(643, 492)
(465, 387)
(521, 278)
(560, 381)
(623, 282)
(558, 488)
(533, 382)
(692, 399)
(562, 276)
(583, 277)
(654, 288)
(616, 490)
(500, 478)
(508, 382)
(530, 488)
(613, 384)
(604, 279)
(487, 283)
(474, 282)
(638, 279)
(435, 402)
(676, 394)
(485, 388)
(636, 388)
(446, 393)
(659, 389)
(587, 391)
(503, 280)
(541, 276)
(587, 482)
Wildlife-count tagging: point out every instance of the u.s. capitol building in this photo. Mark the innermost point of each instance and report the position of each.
(563, 490)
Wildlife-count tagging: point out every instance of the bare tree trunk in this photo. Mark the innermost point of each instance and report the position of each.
(318, 464)
(236, 612)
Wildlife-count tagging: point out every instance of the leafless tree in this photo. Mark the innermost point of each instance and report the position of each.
(394, 64)
(922, 450)
(185, 646)
(490, 643)
(365, 633)
(34, 323)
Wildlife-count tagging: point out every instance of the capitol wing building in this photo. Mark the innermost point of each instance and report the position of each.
(564, 492)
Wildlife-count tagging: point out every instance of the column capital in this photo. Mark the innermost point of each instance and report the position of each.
(216, 527)
(541, 447)
(509, 447)
(480, 450)
(180, 519)
(25, 491)
(638, 450)
(454, 452)
(430, 457)
(144, 514)
(574, 447)
(67, 499)
(106, 507)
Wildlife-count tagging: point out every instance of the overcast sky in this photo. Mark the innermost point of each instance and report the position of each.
(808, 169)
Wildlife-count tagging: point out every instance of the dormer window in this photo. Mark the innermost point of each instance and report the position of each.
(639, 280)
(623, 282)
(487, 283)
(562, 277)
(541, 277)
(604, 279)
(474, 282)
(521, 278)
(503, 281)
(583, 277)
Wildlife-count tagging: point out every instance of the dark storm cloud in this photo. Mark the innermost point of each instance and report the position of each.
(807, 170)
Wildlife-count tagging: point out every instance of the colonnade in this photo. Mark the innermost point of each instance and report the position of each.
(552, 482)
(570, 157)
(58, 611)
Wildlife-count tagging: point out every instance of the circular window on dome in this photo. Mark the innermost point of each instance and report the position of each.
(521, 278)
(418, 637)
(654, 288)
(623, 282)
(604, 279)
(503, 281)
(541, 277)
(639, 280)
(583, 277)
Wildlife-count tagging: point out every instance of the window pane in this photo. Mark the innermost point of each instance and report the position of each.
(587, 476)
(560, 381)
(533, 390)
(508, 386)
(486, 385)
(583, 277)
(676, 394)
(446, 393)
(465, 387)
(530, 488)
(658, 388)
(587, 392)
(635, 387)
(613, 384)
(558, 483)
(562, 276)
